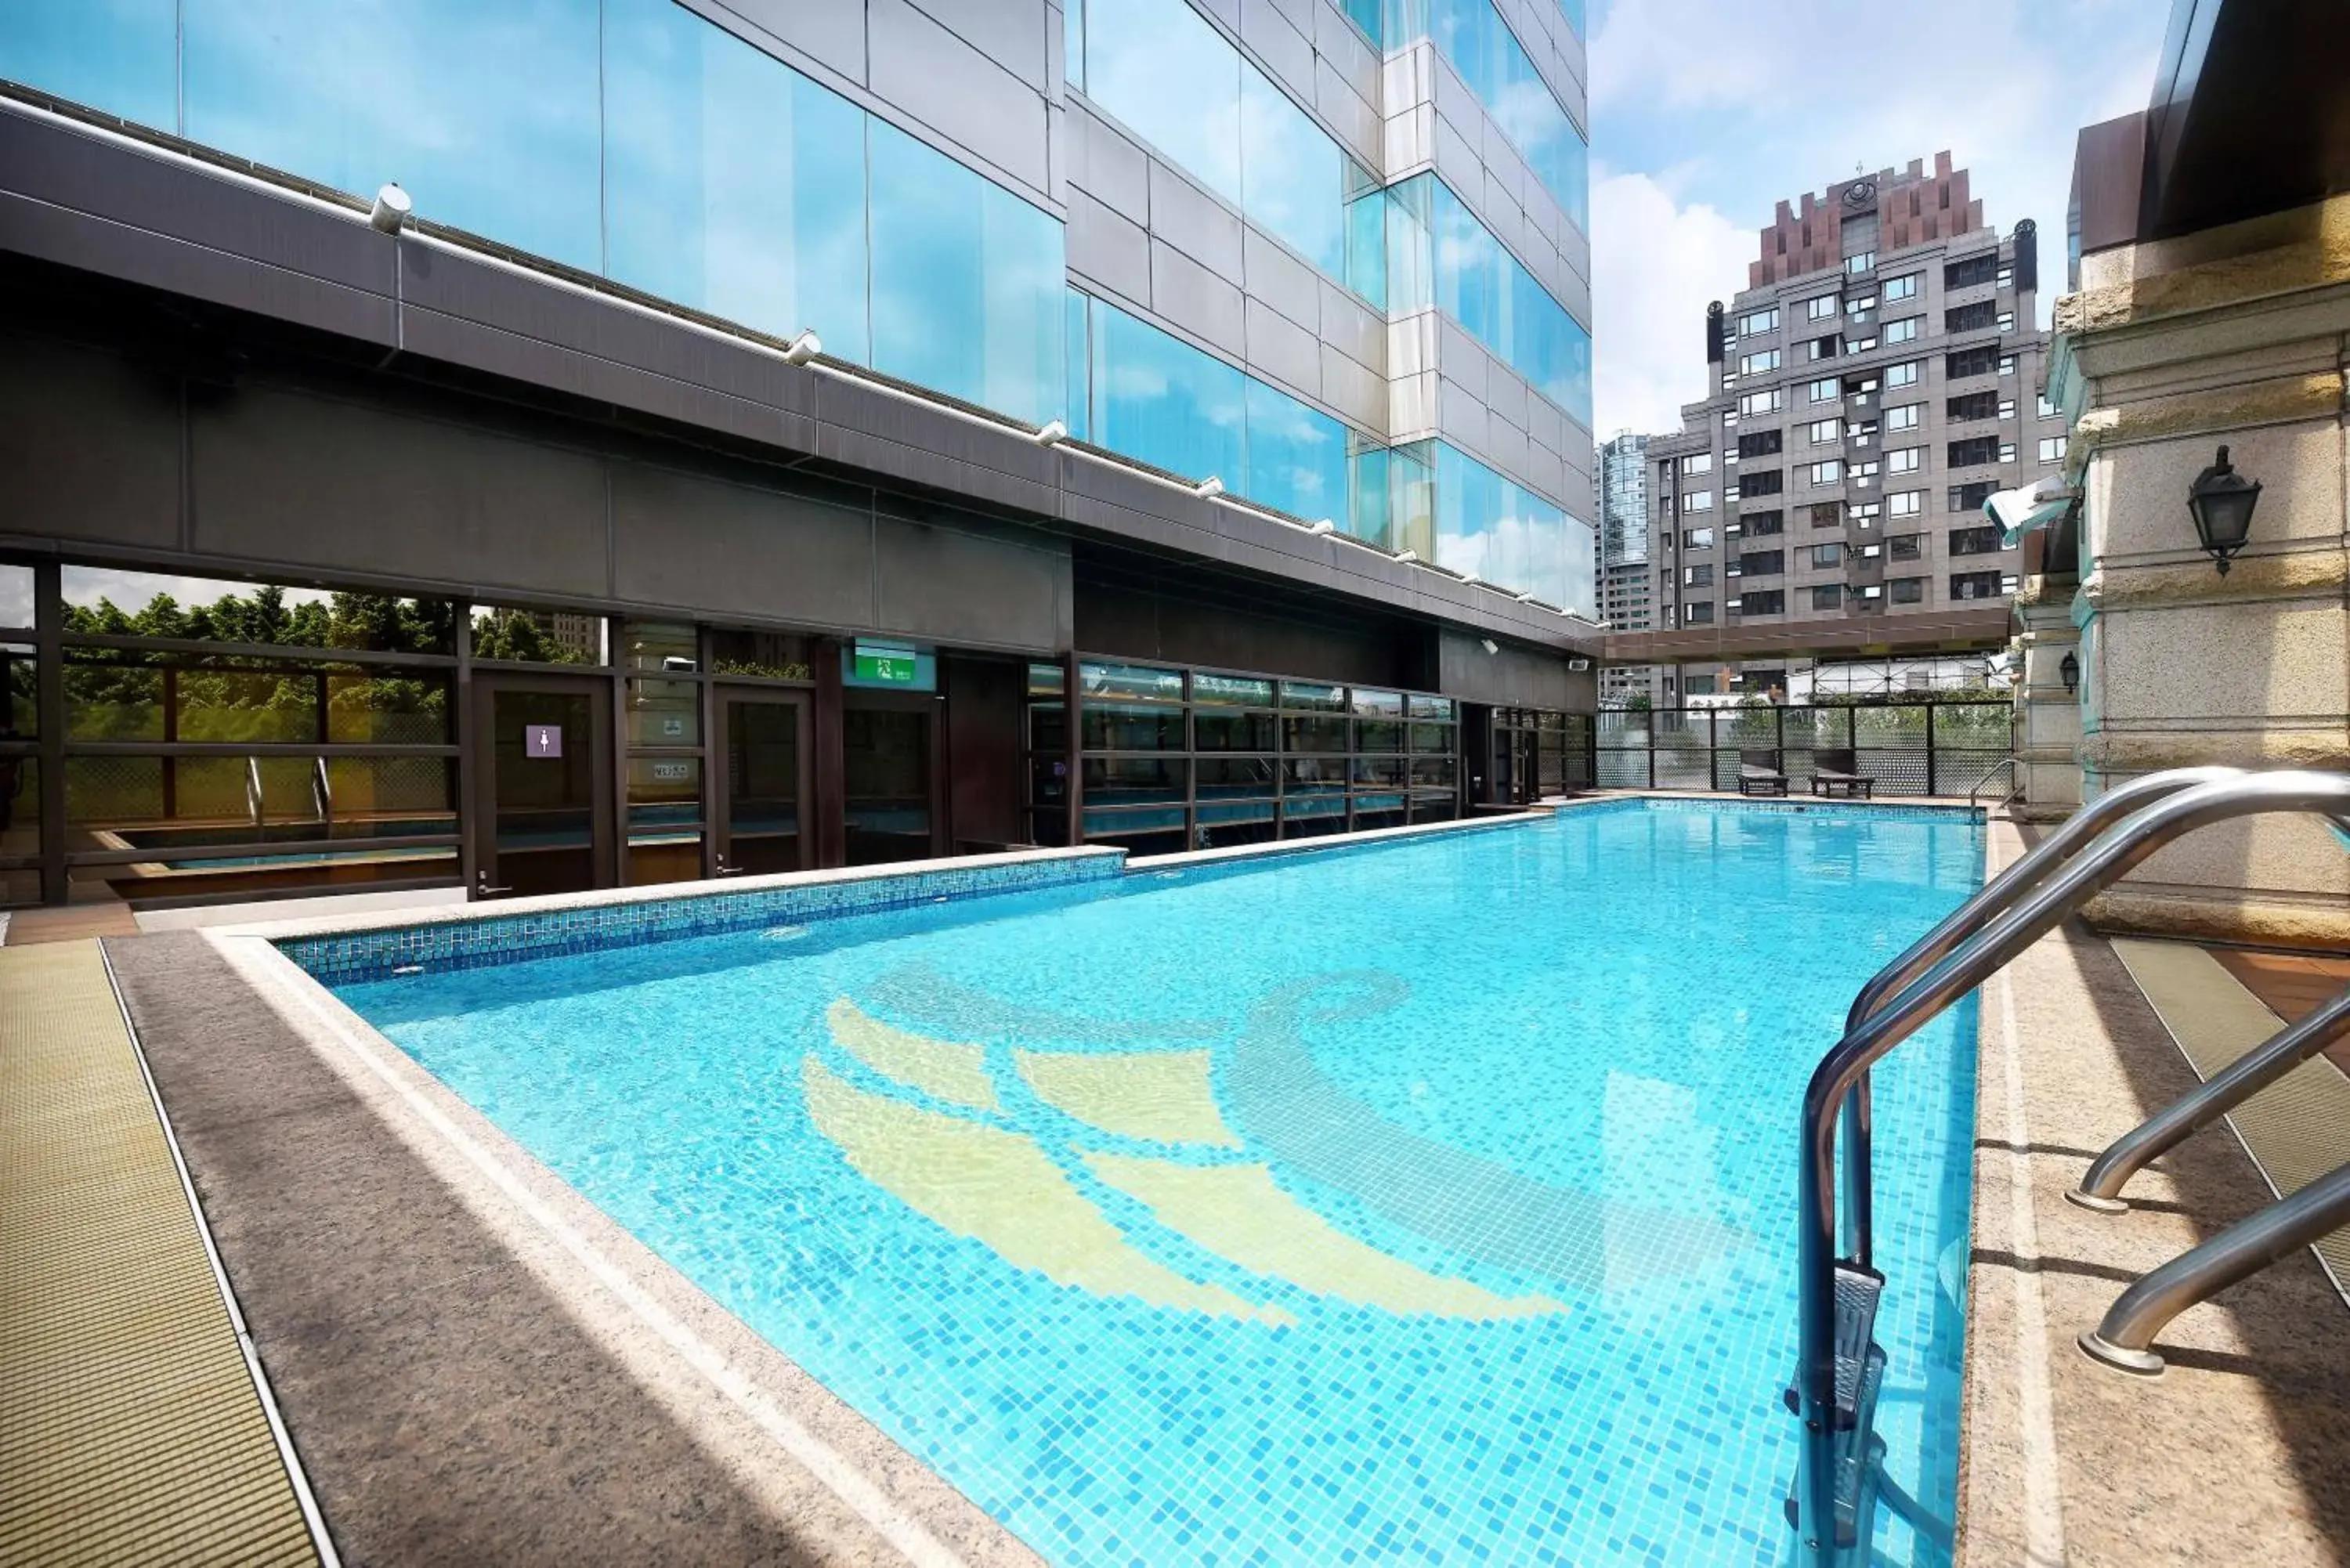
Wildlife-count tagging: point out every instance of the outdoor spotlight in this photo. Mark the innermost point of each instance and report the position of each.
(391, 209)
(2221, 502)
(1053, 433)
(1209, 487)
(1407, 556)
(1323, 525)
(2069, 671)
(1526, 599)
(804, 347)
(1489, 645)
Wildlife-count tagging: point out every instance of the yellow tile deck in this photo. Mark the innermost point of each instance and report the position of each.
(131, 1428)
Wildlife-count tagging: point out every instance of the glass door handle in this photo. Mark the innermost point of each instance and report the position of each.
(482, 889)
(726, 870)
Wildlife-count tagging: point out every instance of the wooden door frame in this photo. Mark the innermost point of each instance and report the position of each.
(721, 792)
(604, 825)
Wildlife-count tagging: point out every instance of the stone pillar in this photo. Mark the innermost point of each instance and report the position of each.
(2048, 716)
(2234, 335)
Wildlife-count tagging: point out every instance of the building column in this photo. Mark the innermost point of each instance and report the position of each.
(2047, 714)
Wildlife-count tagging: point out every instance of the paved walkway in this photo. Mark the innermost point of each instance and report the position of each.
(132, 1430)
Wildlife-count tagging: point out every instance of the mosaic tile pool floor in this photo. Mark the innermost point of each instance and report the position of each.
(1427, 1202)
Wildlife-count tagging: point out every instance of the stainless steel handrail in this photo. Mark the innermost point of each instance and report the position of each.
(322, 791)
(255, 801)
(1999, 893)
(2112, 856)
(2014, 782)
(2125, 1336)
(2101, 1188)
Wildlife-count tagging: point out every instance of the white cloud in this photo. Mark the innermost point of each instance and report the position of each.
(1653, 268)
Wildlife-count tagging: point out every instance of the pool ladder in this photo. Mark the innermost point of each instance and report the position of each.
(1840, 1366)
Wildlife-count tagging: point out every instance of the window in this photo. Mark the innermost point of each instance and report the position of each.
(1906, 502)
(1827, 555)
(1828, 596)
(1864, 473)
(1820, 349)
(1760, 443)
(1496, 69)
(2007, 321)
(1976, 585)
(1755, 321)
(1972, 317)
(1769, 601)
(1980, 541)
(2007, 407)
(1864, 513)
(1860, 305)
(1902, 287)
(1820, 308)
(1905, 459)
(1698, 463)
(1820, 433)
(1860, 345)
(1697, 576)
(1763, 563)
(1697, 538)
(2006, 277)
(1904, 418)
(1905, 547)
(1860, 263)
(1697, 501)
(1763, 524)
(2007, 451)
(1758, 364)
(1967, 362)
(1828, 472)
(1828, 514)
(1908, 590)
(2007, 364)
(2051, 448)
(1765, 484)
(1768, 402)
(2044, 409)
(1904, 330)
(1973, 406)
(1902, 375)
(1824, 391)
(1974, 450)
(1970, 271)
(1700, 614)
(1970, 497)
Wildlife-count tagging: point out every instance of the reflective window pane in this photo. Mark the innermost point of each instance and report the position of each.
(485, 115)
(1297, 456)
(1235, 776)
(1130, 727)
(968, 282)
(766, 655)
(1496, 67)
(1137, 681)
(671, 647)
(664, 713)
(732, 182)
(1162, 69)
(119, 56)
(1161, 401)
(537, 636)
(1293, 179)
(1312, 697)
(1213, 732)
(1128, 781)
(20, 693)
(1232, 688)
(16, 591)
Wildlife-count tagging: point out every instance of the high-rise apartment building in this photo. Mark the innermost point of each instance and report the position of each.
(1878, 379)
(956, 348)
(1627, 589)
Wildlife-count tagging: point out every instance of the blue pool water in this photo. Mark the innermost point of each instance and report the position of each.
(1429, 1200)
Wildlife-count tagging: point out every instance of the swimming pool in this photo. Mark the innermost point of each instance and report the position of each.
(1429, 1200)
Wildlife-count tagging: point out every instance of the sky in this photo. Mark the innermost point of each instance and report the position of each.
(1707, 113)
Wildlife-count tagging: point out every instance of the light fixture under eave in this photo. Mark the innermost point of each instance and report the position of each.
(1526, 599)
(392, 210)
(1323, 525)
(1209, 487)
(1052, 432)
(1407, 556)
(803, 349)
(1489, 645)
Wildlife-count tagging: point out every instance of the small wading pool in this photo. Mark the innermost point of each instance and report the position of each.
(1431, 1199)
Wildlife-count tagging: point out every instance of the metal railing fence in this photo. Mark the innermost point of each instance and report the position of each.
(1927, 748)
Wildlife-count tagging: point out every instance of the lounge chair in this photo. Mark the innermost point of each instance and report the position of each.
(1758, 773)
(1832, 774)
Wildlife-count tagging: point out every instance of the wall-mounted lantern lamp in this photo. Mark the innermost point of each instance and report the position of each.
(2069, 671)
(2221, 501)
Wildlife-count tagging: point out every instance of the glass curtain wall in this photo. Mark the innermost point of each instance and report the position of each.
(1154, 398)
(20, 734)
(1165, 72)
(239, 738)
(640, 142)
(1439, 256)
(1173, 759)
(1496, 67)
(1432, 498)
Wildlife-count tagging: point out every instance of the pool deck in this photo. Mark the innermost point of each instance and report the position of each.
(475, 1366)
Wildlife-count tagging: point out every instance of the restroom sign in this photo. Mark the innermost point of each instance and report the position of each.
(542, 740)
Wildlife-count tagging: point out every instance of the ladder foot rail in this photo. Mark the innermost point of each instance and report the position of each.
(2112, 855)
(2125, 1338)
(2101, 1188)
(2001, 891)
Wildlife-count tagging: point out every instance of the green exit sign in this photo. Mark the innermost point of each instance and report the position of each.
(886, 667)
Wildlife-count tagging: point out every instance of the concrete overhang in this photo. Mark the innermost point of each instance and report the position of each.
(121, 202)
(1956, 630)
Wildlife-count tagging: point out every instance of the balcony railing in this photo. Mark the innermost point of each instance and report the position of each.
(1919, 748)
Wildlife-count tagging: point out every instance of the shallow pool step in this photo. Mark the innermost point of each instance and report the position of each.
(1859, 1376)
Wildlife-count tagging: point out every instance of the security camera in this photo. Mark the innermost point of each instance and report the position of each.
(1489, 645)
(2019, 510)
(1578, 664)
(804, 347)
(392, 210)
